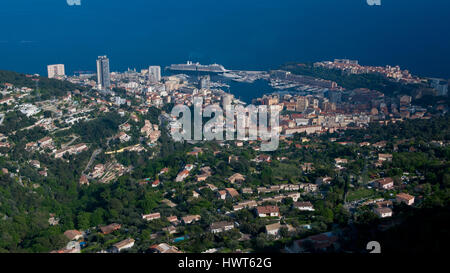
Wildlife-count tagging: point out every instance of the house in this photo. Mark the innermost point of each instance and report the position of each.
(190, 219)
(35, 164)
(290, 187)
(308, 187)
(7, 101)
(173, 220)
(384, 183)
(155, 183)
(323, 180)
(222, 194)
(263, 158)
(202, 177)
(385, 157)
(384, 204)
(182, 175)
(170, 229)
(152, 216)
(43, 172)
(125, 244)
(123, 137)
(247, 191)
(164, 248)
(383, 212)
(84, 180)
(110, 228)
(98, 171)
(273, 229)
(195, 194)
(30, 146)
(304, 206)
(45, 142)
(307, 167)
(67, 251)
(237, 177)
(218, 227)
(196, 151)
(164, 171)
(233, 158)
(405, 198)
(232, 193)
(73, 235)
(294, 196)
(341, 161)
(245, 204)
(267, 211)
(5, 145)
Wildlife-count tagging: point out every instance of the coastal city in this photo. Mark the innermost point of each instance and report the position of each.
(362, 148)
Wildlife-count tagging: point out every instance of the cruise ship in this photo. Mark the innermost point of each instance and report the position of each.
(190, 66)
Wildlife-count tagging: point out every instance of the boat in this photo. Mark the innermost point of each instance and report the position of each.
(197, 67)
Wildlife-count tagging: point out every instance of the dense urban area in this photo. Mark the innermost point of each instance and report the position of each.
(88, 163)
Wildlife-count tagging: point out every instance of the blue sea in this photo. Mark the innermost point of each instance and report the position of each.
(240, 34)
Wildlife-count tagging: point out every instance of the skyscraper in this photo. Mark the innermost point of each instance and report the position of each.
(204, 82)
(103, 74)
(55, 70)
(154, 74)
(302, 104)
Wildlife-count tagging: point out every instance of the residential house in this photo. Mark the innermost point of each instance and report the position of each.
(182, 175)
(384, 183)
(190, 219)
(110, 228)
(274, 229)
(222, 194)
(383, 212)
(170, 229)
(232, 193)
(245, 204)
(405, 198)
(195, 194)
(173, 220)
(218, 227)
(152, 216)
(323, 180)
(125, 244)
(73, 235)
(237, 177)
(164, 248)
(268, 211)
(385, 157)
(304, 206)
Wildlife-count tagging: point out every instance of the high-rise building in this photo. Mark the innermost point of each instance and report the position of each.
(55, 70)
(334, 96)
(204, 82)
(154, 74)
(302, 104)
(226, 100)
(103, 74)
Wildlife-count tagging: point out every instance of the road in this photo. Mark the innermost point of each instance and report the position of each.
(70, 142)
(91, 160)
